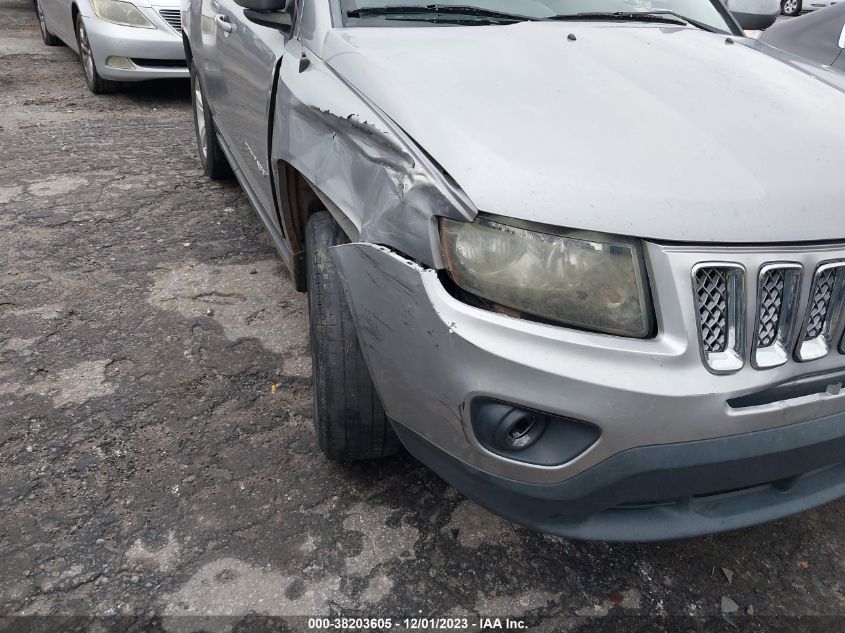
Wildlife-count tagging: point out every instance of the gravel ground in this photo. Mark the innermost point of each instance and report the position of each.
(156, 451)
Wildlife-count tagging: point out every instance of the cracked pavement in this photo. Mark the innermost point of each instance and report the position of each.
(156, 451)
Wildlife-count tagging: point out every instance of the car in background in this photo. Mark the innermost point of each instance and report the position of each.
(117, 40)
(794, 7)
(754, 15)
(818, 37)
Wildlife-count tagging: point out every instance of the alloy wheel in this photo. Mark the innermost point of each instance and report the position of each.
(790, 7)
(85, 53)
(42, 23)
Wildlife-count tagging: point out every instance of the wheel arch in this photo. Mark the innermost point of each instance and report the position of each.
(74, 40)
(297, 202)
(333, 149)
(186, 44)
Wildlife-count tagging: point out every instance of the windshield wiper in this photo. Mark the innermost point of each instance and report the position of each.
(450, 10)
(453, 12)
(701, 25)
(666, 17)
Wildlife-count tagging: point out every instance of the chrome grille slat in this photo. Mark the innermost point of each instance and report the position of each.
(824, 312)
(173, 17)
(719, 291)
(778, 294)
(822, 291)
(788, 324)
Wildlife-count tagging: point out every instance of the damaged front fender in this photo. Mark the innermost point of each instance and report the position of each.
(359, 162)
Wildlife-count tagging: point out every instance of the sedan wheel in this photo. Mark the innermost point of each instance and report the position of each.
(791, 7)
(48, 38)
(85, 52)
(95, 83)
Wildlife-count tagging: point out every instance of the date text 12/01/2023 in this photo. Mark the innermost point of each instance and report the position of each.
(415, 624)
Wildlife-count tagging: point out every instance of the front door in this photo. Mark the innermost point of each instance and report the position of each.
(247, 55)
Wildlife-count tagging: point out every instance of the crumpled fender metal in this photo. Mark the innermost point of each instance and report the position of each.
(360, 163)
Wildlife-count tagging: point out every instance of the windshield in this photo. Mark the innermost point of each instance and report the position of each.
(706, 14)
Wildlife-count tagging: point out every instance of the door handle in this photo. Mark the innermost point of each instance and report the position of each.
(223, 23)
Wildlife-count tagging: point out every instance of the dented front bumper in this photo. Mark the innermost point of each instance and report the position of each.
(659, 411)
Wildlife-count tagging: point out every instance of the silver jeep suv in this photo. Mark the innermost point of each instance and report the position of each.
(550, 246)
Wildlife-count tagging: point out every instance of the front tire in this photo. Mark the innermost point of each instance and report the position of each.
(95, 83)
(790, 7)
(213, 160)
(348, 416)
(48, 38)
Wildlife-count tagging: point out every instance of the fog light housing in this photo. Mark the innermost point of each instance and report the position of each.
(518, 430)
(529, 436)
(123, 63)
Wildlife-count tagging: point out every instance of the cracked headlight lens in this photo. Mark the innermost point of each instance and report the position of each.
(124, 13)
(594, 282)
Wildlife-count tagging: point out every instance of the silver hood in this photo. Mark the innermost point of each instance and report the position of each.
(664, 133)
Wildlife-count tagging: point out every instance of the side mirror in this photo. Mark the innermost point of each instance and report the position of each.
(754, 15)
(272, 13)
(282, 6)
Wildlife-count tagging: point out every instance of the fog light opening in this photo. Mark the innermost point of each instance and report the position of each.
(123, 63)
(525, 435)
(517, 430)
(521, 428)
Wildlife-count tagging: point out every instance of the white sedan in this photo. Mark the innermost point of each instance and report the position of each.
(117, 40)
(794, 7)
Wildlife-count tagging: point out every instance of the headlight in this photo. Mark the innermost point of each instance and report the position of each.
(124, 13)
(591, 282)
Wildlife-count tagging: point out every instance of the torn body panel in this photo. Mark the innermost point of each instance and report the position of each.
(430, 355)
(359, 163)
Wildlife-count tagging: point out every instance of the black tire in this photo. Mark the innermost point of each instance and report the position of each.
(213, 160)
(791, 7)
(95, 83)
(348, 416)
(48, 38)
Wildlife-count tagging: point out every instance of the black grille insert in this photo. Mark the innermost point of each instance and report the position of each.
(820, 303)
(771, 302)
(711, 288)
